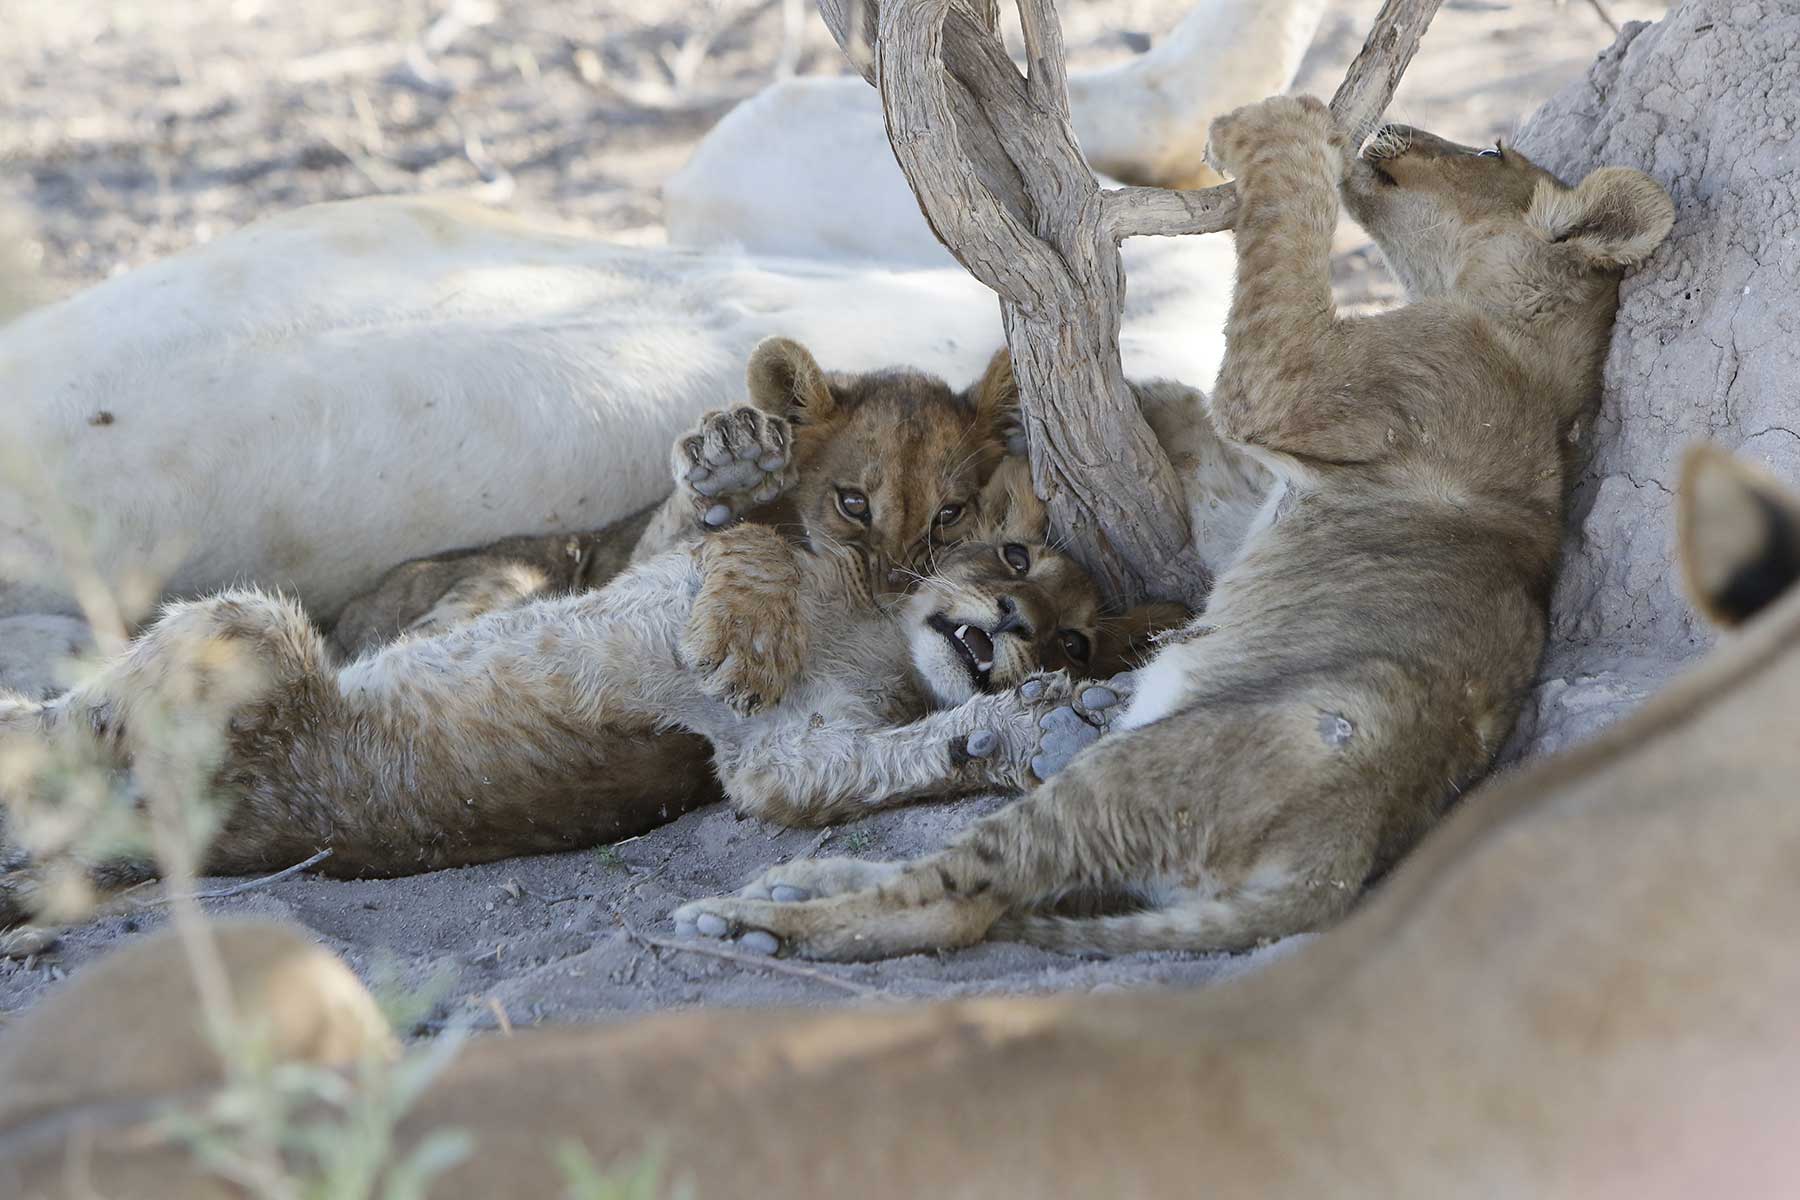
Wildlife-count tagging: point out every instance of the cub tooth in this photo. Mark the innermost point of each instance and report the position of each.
(981, 666)
(960, 630)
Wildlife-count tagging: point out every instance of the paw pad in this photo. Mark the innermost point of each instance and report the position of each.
(758, 942)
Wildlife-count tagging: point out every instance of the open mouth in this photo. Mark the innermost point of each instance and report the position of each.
(972, 645)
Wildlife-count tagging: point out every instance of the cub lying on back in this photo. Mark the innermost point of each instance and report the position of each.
(538, 728)
(1364, 658)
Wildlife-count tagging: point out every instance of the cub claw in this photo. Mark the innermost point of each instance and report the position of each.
(736, 459)
(1067, 730)
(690, 921)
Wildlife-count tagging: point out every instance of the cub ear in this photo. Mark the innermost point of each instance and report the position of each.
(1126, 642)
(1010, 509)
(786, 380)
(1738, 532)
(996, 399)
(1613, 218)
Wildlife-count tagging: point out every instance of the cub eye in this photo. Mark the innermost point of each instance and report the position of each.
(1016, 556)
(1491, 152)
(1074, 644)
(853, 504)
(949, 515)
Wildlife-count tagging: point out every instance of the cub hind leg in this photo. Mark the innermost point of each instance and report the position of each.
(159, 716)
(1192, 919)
(179, 684)
(1239, 869)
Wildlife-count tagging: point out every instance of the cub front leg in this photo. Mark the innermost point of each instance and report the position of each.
(746, 637)
(1005, 742)
(1067, 725)
(1280, 388)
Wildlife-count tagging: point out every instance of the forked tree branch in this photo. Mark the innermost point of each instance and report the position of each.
(1365, 94)
(993, 161)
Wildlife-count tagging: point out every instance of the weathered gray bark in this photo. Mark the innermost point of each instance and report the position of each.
(993, 160)
(1707, 345)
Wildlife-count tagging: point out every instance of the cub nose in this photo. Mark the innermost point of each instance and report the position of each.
(1011, 619)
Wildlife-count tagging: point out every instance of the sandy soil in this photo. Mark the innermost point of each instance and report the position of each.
(132, 130)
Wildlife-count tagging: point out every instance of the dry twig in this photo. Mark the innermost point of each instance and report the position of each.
(776, 965)
(237, 889)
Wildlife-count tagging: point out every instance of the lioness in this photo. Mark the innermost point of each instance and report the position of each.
(1363, 660)
(537, 728)
(1574, 988)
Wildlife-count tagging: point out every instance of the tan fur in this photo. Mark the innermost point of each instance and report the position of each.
(90, 1044)
(884, 436)
(746, 638)
(1362, 661)
(1576, 987)
(743, 648)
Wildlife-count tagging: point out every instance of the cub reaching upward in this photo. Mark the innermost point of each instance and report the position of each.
(879, 461)
(864, 460)
(1364, 658)
(887, 462)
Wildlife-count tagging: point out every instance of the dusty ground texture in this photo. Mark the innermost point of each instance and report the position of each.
(130, 131)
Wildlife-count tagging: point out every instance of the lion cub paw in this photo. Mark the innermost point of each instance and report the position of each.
(1046, 722)
(734, 461)
(1234, 140)
(816, 878)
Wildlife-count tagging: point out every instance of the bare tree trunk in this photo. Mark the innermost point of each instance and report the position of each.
(993, 160)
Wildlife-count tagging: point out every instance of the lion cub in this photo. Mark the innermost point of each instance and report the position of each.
(1364, 657)
(865, 460)
(539, 727)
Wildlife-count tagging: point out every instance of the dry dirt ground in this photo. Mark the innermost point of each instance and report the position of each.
(130, 130)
